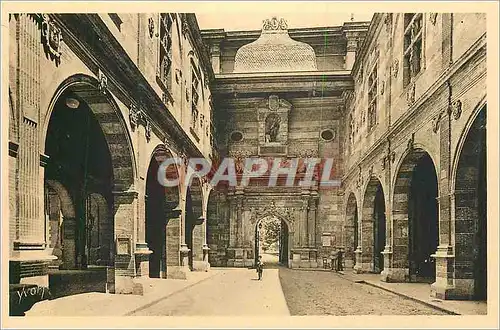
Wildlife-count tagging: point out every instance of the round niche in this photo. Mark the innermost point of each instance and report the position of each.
(236, 136)
(327, 135)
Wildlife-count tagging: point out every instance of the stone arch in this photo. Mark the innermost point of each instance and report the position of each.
(373, 226)
(412, 261)
(286, 235)
(162, 226)
(469, 188)
(105, 109)
(351, 230)
(67, 206)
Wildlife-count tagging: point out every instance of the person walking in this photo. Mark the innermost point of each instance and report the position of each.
(260, 267)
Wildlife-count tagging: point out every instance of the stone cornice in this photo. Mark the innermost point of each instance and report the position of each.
(313, 83)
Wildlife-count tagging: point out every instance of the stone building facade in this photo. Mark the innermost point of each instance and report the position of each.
(404, 97)
(293, 79)
(414, 187)
(98, 101)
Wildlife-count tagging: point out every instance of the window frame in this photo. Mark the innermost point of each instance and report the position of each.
(372, 119)
(165, 53)
(411, 41)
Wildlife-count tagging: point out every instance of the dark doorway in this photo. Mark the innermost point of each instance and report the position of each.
(156, 222)
(470, 209)
(423, 221)
(378, 230)
(80, 161)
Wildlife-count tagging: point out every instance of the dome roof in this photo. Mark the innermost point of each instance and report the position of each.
(275, 51)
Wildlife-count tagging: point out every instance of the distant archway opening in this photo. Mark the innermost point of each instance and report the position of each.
(271, 241)
(375, 225)
(351, 231)
(160, 202)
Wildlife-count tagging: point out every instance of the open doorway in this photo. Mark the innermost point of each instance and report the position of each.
(271, 241)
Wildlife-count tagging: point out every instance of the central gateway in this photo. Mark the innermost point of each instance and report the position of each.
(282, 100)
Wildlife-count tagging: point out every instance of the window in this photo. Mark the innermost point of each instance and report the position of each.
(165, 50)
(412, 46)
(195, 96)
(327, 135)
(372, 98)
(236, 136)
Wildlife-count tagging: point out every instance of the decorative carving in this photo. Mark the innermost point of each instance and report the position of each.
(389, 157)
(271, 209)
(274, 24)
(359, 181)
(51, 38)
(151, 27)
(395, 68)
(103, 82)
(272, 127)
(433, 18)
(410, 94)
(147, 130)
(133, 117)
(436, 121)
(456, 109)
(411, 142)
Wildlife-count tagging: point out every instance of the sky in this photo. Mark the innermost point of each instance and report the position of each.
(253, 20)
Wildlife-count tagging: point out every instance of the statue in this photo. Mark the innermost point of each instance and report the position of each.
(272, 128)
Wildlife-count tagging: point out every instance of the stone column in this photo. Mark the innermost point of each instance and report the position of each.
(175, 266)
(198, 241)
(29, 255)
(184, 250)
(303, 223)
(68, 243)
(358, 252)
(125, 211)
(444, 286)
(142, 250)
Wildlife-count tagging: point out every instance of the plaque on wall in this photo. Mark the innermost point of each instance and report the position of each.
(123, 245)
(273, 150)
(326, 239)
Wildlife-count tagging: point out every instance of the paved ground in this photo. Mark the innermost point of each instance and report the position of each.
(231, 292)
(236, 292)
(325, 293)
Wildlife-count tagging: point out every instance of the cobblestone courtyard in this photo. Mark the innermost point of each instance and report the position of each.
(326, 293)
